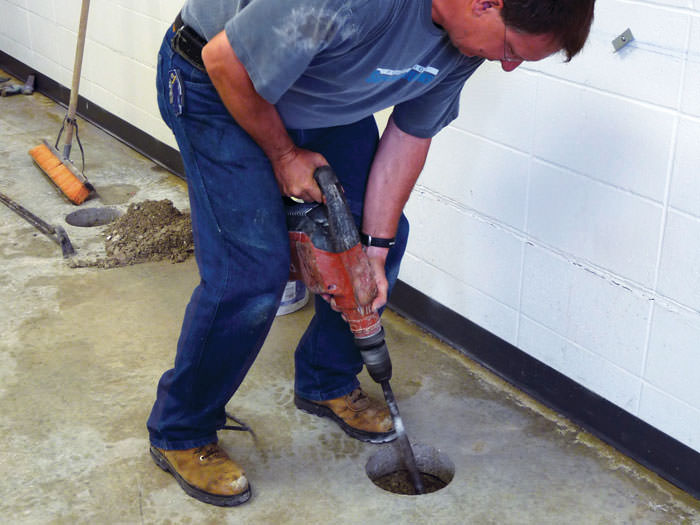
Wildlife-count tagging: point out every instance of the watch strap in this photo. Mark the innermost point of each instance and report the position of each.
(380, 242)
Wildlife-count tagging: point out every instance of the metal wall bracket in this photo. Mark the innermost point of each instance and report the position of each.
(622, 40)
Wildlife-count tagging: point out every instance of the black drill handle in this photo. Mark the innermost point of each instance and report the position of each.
(341, 225)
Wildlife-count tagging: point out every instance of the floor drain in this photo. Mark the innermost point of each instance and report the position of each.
(386, 470)
(93, 217)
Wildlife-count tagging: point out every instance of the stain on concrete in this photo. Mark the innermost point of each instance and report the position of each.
(29, 242)
(111, 194)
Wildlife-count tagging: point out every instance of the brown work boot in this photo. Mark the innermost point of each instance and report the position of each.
(205, 473)
(357, 414)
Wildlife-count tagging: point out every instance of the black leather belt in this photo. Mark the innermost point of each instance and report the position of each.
(188, 44)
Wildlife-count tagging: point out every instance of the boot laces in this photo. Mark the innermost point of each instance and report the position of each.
(357, 395)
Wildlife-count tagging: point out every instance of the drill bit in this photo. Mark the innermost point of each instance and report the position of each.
(402, 439)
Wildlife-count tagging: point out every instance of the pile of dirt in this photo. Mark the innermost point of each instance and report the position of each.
(148, 231)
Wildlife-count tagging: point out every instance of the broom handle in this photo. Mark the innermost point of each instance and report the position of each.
(73, 104)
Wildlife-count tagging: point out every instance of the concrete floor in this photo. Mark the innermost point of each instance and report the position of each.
(82, 350)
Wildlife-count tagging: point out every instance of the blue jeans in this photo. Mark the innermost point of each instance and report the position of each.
(242, 251)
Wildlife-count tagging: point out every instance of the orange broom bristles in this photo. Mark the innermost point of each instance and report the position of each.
(68, 183)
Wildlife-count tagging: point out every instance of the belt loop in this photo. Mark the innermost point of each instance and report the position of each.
(178, 24)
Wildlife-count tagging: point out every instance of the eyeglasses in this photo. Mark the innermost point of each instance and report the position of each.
(506, 56)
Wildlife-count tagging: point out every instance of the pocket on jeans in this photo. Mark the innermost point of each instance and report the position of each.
(203, 99)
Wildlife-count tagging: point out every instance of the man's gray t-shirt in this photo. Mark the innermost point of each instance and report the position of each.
(332, 62)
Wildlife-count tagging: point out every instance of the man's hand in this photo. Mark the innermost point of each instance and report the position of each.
(377, 260)
(294, 171)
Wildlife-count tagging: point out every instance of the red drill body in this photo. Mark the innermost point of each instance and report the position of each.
(347, 276)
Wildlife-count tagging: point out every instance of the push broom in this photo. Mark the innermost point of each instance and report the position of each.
(58, 166)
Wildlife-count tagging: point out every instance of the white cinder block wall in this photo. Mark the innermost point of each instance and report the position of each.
(561, 211)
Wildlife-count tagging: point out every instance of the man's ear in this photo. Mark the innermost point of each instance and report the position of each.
(480, 7)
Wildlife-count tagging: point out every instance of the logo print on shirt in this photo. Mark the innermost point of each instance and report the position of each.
(416, 73)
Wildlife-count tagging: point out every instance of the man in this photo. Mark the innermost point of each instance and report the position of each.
(273, 90)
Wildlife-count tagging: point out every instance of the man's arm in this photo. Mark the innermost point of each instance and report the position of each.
(395, 169)
(293, 167)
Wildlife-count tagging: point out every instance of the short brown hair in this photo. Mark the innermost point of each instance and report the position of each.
(569, 21)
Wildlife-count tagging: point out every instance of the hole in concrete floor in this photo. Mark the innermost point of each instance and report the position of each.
(117, 193)
(93, 217)
(386, 469)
